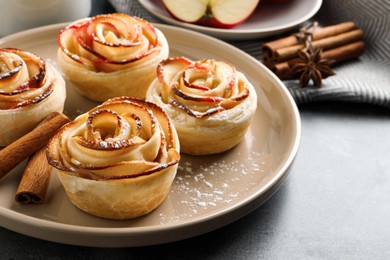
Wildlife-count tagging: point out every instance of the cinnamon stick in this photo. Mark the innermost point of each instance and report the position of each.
(35, 180)
(22, 148)
(318, 34)
(335, 55)
(291, 52)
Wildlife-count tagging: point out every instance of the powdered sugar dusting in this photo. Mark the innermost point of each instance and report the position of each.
(204, 184)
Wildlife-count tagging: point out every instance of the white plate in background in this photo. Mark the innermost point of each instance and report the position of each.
(266, 20)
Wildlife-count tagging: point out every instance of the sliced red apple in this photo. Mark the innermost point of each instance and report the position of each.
(229, 13)
(189, 11)
(213, 13)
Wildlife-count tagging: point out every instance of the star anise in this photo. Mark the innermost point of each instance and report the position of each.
(310, 65)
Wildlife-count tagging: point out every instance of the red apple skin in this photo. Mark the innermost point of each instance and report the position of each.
(213, 22)
(209, 20)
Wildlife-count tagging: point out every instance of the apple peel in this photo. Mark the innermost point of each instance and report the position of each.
(224, 14)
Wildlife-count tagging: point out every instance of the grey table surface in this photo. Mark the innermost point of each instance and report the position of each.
(333, 205)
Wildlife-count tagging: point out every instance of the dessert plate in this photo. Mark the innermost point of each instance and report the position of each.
(267, 19)
(208, 192)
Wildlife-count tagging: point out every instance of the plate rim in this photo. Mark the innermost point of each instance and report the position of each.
(274, 183)
(231, 33)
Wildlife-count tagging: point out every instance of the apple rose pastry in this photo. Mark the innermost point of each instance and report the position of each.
(30, 89)
(118, 160)
(111, 55)
(209, 101)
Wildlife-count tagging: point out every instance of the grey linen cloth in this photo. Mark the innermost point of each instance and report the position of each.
(365, 79)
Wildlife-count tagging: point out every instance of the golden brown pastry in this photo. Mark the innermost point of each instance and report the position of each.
(118, 160)
(111, 55)
(209, 101)
(30, 89)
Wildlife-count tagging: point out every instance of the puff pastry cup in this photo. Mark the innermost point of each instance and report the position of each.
(30, 89)
(210, 102)
(118, 160)
(111, 55)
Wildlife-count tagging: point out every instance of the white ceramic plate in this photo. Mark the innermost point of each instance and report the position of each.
(267, 19)
(208, 192)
